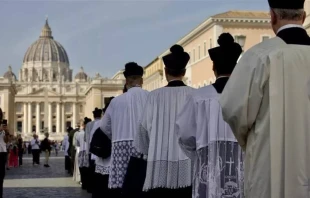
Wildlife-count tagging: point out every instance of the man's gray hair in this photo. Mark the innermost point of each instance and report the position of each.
(289, 14)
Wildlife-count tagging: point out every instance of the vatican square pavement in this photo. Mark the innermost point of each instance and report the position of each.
(31, 181)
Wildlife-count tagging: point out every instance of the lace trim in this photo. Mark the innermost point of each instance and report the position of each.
(219, 171)
(121, 152)
(167, 174)
(83, 159)
(103, 170)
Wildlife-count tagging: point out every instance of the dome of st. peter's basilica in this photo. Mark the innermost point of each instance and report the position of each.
(46, 96)
(46, 48)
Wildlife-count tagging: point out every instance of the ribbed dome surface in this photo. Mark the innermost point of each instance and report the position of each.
(46, 49)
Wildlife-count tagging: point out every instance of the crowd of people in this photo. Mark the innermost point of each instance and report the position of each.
(163, 143)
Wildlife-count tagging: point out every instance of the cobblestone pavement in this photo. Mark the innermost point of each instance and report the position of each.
(31, 181)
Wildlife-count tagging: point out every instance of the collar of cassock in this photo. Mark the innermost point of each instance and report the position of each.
(137, 86)
(289, 26)
(176, 83)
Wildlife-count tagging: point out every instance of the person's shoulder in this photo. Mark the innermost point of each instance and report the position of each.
(156, 91)
(204, 93)
(264, 48)
(143, 91)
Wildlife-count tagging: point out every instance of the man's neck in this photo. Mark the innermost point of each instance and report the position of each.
(132, 86)
(174, 79)
(222, 76)
(287, 25)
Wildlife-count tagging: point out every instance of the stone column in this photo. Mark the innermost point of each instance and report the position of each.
(58, 118)
(74, 115)
(25, 121)
(50, 118)
(29, 118)
(38, 118)
(63, 118)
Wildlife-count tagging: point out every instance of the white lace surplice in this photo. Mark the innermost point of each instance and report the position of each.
(168, 166)
(82, 156)
(76, 170)
(209, 141)
(120, 123)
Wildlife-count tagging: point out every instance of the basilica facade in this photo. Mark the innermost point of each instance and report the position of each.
(46, 96)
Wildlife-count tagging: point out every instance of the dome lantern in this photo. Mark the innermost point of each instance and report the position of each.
(46, 31)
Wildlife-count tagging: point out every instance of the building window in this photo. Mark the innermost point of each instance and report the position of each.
(241, 40)
(42, 125)
(68, 124)
(54, 108)
(205, 49)
(264, 38)
(68, 108)
(54, 129)
(199, 52)
(42, 105)
(54, 89)
(19, 107)
(211, 43)
(19, 126)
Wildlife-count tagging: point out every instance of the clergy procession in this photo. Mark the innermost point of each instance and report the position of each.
(244, 136)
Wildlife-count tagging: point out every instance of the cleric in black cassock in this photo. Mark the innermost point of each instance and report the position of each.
(168, 168)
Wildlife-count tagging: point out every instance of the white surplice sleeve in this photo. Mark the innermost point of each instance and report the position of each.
(242, 96)
(142, 139)
(186, 127)
(77, 139)
(74, 139)
(105, 123)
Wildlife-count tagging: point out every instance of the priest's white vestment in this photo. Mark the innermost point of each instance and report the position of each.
(120, 124)
(88, 137)
(267, 104)
(208, 140)
(167, 165)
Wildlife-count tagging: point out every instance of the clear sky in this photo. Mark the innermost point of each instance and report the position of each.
(103, 35)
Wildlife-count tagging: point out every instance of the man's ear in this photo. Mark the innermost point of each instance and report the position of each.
(273, 17)
(304, 17)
